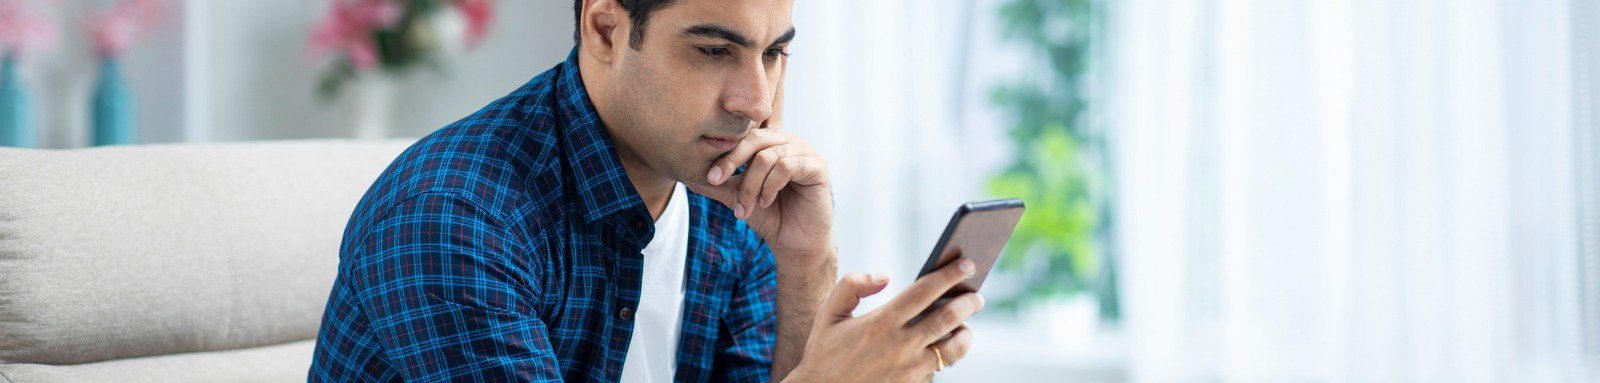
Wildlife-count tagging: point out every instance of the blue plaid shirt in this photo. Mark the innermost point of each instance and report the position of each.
(506, 247)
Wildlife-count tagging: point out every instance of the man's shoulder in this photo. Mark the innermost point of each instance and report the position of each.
(494, 157)
(516, 134)
(466, 161)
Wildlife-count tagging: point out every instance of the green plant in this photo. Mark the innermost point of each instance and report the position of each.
(1060, 167)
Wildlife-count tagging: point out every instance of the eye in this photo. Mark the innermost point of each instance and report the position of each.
(714, 51)
(776, 52)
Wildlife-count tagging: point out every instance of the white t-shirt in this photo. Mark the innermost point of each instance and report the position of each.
(653, 351)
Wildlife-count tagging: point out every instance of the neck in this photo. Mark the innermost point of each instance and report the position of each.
(654, 188)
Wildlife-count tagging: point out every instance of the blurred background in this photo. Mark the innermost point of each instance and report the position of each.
(1217, 190)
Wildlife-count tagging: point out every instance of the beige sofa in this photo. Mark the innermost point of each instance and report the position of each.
(171, 263)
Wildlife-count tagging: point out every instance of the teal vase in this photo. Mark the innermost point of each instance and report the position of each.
(16, 126)
(115, 119)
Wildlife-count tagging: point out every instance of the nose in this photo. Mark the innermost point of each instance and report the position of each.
(749, 93)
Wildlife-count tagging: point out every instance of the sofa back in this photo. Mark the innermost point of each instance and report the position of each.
(118, 252)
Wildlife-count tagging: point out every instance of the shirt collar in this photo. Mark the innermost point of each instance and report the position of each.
(602, 183)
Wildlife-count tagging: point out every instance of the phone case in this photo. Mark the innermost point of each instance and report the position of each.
(977, 231)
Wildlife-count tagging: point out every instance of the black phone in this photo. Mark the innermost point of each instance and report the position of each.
(978, 231)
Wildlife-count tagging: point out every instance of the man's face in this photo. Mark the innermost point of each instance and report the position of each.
(705, 74)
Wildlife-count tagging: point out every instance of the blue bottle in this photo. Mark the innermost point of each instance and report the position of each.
(114, 114)
(16, 125)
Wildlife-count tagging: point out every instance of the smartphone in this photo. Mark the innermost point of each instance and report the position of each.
(978, 231)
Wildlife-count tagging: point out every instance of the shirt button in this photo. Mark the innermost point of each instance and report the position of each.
(625, 313)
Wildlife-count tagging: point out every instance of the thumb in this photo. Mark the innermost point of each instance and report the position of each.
(847, 294)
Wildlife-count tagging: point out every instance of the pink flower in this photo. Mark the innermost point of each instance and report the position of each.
(349, 29)
(479, 13)
(23, 28)
(113, 31)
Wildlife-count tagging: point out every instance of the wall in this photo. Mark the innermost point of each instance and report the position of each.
(241, 73)
(261, 86)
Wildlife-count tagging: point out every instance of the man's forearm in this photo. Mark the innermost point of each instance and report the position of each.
(803, 281)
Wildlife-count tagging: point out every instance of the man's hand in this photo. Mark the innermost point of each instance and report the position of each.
(783, 193)
(880, 346)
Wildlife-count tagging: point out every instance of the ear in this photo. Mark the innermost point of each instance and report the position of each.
(601, 29)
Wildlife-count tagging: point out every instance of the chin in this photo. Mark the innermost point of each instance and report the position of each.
(697, 176)
(691, 174)
(696, 172)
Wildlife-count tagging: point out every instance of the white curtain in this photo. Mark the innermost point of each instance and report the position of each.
(1365, 191)
(896, 94)
(882, 88)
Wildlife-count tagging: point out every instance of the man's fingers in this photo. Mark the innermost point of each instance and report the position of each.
(775, 182)
(795, 170)
(759, 185)
(928, 288)
(758, 140)
(847, 294)
(761, 168)
(956, 346)
(947, 318)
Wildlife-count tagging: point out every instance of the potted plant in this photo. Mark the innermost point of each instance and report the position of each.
(371, 42)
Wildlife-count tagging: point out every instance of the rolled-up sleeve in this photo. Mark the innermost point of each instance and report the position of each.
(751, 322)
(438, 287)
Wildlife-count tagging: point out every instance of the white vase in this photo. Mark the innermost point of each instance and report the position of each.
(372, 97)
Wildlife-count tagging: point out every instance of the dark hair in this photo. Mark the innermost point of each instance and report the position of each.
(638, 10)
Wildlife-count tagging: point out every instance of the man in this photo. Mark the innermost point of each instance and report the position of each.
(549, 236)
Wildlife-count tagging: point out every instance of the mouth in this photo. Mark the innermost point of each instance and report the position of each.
(722, 143)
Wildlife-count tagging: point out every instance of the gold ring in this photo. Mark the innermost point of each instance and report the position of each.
(939, 356)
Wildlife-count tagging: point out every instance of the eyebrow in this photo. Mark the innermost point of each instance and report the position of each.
(718, 31)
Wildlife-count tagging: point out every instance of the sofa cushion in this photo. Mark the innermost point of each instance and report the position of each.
(119, 252)
(276, 363)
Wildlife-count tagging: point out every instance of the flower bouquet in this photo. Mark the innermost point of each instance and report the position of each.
(363, 36)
